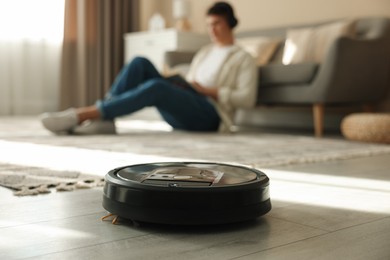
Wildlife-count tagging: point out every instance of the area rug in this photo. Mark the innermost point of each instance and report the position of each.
(27, 181)
(82, 161)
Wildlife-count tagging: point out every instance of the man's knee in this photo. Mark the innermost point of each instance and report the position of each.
(140, 61)
(156, 86)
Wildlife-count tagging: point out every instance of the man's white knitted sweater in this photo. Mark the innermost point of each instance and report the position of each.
(236, 82)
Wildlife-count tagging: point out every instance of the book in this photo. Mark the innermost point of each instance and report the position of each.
(179, 81)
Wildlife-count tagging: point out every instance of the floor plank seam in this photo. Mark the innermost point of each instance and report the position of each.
(305, 225)
(56, 219)
(360, 224)
(308, 238)
(86, 247)
(280, 246)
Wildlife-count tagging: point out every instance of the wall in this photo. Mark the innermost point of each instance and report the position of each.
(265, 14)
(149, 7)
(262, 13)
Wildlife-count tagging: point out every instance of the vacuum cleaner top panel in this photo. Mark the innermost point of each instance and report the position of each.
(188, 174)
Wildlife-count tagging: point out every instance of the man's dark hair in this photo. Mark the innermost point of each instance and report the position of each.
(224, 9)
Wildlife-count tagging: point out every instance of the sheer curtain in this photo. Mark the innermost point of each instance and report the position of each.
(31, 33)
(46, 64)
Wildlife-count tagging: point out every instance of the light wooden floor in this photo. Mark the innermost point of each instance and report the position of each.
(333, 210)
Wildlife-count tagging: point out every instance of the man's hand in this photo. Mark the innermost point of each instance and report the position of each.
(210, 92)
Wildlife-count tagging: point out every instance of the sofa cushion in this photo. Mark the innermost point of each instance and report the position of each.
(279, 74)
(311, 44)
(261, 48)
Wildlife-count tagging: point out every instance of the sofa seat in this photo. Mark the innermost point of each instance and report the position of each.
(279, 74)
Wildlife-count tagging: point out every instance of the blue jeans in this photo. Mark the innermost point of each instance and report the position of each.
(139, 85)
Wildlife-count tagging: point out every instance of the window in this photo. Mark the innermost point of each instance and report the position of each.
(31, 33)
(34, 20)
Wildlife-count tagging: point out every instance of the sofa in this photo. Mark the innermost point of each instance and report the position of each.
(352, 68)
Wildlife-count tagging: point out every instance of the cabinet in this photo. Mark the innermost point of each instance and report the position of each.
(153, 45)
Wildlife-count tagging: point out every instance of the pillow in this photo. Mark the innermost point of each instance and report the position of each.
(324, 36)
(297, 48)
(261, 48)
(312, 44)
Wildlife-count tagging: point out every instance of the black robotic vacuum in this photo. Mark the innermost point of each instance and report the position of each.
(186, 193)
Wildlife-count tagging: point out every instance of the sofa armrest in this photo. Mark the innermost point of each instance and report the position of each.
(174, 58)
(354, 71)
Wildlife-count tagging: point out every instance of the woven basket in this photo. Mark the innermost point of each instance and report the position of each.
(367, 127)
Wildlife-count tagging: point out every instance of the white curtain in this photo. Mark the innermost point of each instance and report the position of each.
(31, 33)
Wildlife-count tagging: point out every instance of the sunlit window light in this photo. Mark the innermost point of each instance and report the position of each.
(143, 125)
(33, 20)
(97, 162)
(11, 239)
(330, 191)
(332, 180)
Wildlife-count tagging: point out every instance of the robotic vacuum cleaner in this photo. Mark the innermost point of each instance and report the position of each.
(186, 193)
